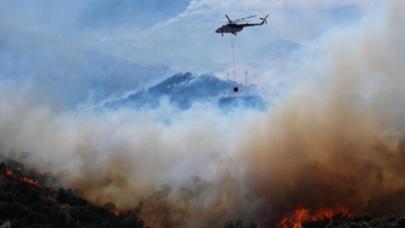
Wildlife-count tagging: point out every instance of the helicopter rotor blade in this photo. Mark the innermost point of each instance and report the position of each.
(222, 21)
(229, 19)
(246, 18)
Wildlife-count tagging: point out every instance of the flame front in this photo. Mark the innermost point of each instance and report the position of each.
(9, 173)
(302, 215)
(30, 181)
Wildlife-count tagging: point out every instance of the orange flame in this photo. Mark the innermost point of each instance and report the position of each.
(302, 215)
(27, 180)
(116, 213)
(8, 173)
(30, 181)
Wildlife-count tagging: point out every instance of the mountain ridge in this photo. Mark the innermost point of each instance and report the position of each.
(185, 89)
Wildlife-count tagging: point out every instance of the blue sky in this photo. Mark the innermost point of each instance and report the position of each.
(44, 43)
(106, 13)
(93, 14)
(143, 30)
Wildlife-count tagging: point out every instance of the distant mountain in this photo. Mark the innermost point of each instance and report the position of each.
(68, 77)
(184, 90)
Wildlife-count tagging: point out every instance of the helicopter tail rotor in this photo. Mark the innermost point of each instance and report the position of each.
(264, 19)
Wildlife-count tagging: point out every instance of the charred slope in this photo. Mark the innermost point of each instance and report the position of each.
(25, 202)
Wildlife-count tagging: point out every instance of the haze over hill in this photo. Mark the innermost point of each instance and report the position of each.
(184, 90)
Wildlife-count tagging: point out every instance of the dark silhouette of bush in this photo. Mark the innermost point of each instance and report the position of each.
(67, 196)
(12, 210)
(239, 224)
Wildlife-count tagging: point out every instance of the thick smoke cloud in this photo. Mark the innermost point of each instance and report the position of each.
(337, 138)
(182, 168)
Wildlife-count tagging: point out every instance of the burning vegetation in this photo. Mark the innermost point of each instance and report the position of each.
(26, 202)
(336, 217)
(18, 176)
(304, 215)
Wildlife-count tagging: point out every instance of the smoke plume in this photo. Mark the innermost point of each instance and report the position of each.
(337, 138)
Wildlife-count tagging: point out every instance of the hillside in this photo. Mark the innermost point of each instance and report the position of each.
(26, 202)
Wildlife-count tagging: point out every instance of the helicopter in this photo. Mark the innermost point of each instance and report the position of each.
(234, 26)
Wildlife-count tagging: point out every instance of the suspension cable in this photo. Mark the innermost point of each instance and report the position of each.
(233, 57)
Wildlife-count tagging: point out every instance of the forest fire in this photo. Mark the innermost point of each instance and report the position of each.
(8, 173)
(302, 215)
(115, 212)
(26, 203)
(30, 181)
(11, 174)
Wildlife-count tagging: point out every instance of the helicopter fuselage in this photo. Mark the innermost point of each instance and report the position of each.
(234, 28)
(230, 28)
